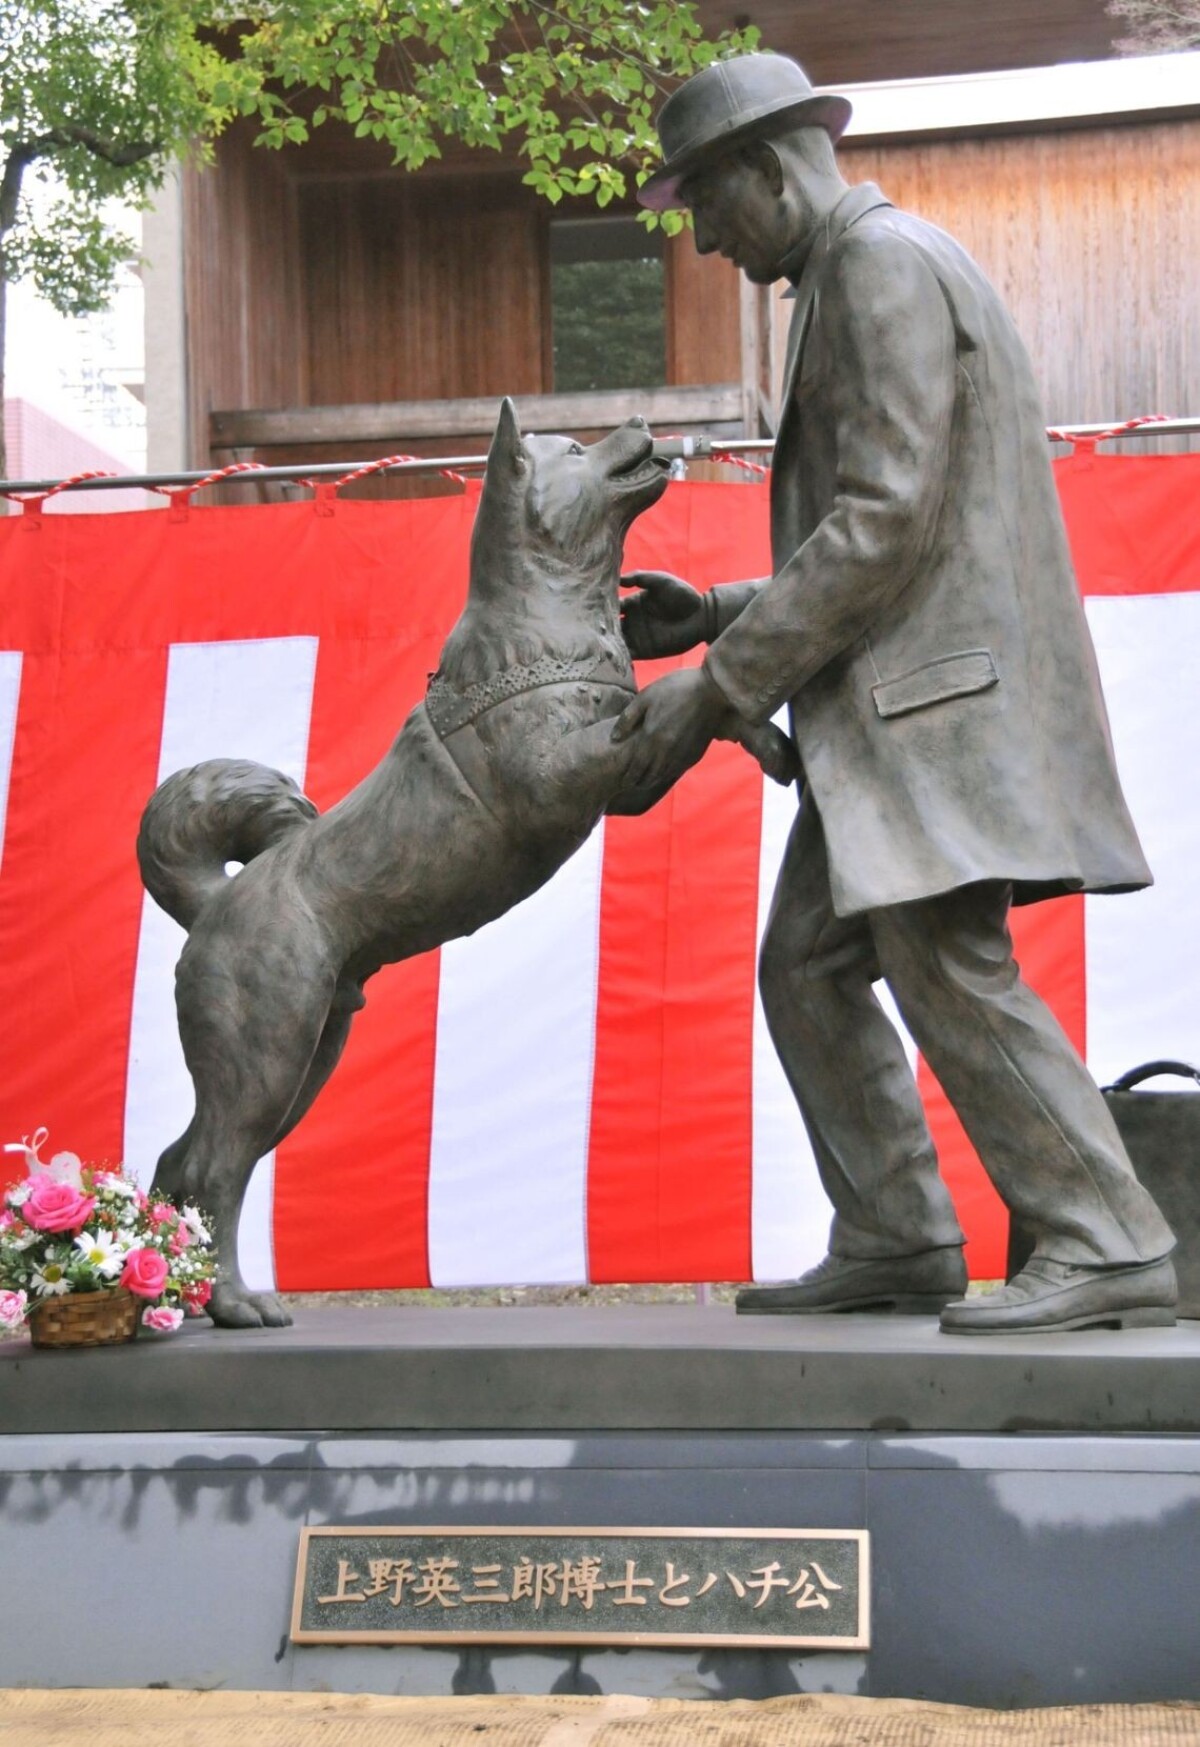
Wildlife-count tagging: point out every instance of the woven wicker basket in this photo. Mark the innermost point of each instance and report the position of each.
(85, 1319)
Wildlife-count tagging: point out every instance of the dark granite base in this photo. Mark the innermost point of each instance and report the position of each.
(1033, 1505)
(663, 1368)
(1006, 1571)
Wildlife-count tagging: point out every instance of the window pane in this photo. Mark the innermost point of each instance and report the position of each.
(606, 285)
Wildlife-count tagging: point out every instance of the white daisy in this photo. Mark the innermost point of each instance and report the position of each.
(101, 1251)
(50, 1280)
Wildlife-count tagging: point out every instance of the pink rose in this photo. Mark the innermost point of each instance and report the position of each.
(181, 1237)
(162, 1318)
(196, 1296)
(52, 1206)
(12, 1309)
(145, 1273)
(160, 1213)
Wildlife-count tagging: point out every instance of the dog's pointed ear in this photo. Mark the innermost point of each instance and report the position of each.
(507, 449)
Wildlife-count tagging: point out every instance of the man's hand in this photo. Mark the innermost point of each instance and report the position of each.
(670, 724)
(665, 617)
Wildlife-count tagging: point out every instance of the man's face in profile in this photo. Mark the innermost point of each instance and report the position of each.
(738, 211)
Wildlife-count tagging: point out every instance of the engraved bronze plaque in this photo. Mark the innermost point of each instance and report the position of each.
(785, 1588)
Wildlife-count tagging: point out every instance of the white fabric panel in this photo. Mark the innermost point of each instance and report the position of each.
(1143, 950)
(10, 692)
(251, 700)
(789, 1211)
(255, 1239)
(888, 1002)
(512, 1089)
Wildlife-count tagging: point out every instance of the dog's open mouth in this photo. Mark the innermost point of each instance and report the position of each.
(643, 468)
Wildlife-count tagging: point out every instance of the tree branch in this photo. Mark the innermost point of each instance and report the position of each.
(10, 187)
(135, 152)
(25, 152)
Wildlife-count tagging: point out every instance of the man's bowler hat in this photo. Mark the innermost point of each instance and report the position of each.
(727, 103)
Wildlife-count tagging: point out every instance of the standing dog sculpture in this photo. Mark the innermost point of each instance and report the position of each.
(493, 782)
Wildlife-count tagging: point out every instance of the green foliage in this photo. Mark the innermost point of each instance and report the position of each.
(572, 85)
(99, 96)
(93, 100)
(71, 256)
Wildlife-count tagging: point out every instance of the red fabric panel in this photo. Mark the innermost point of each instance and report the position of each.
(669, 1166)
(84, 759)
(372, 1124)
(70, 860)
(1127, 521)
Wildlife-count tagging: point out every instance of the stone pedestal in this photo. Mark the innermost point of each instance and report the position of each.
(1033, 1504)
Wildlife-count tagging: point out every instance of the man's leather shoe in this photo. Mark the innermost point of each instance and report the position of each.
(912, 1285)
(1056, 1295)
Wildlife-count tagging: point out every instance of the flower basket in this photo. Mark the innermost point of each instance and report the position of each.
(85, 1319)
(87, 1256)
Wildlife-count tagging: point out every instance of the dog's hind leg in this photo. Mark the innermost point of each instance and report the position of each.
(233, 1304)
(218, 1169)
(348, 1001)
(251, 1051)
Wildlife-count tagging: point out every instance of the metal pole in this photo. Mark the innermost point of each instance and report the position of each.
(300, 471)
(697, 448)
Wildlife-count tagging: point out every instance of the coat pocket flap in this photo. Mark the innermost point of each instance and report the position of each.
(950, 676)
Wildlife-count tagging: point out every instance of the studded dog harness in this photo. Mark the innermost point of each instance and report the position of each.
(449, 709)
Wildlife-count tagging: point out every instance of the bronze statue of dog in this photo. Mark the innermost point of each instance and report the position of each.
(493, 782)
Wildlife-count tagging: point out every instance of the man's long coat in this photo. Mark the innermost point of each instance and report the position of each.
(923, 619)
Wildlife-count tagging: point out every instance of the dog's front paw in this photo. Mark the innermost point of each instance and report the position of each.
(270, 1308)
(232, 1306)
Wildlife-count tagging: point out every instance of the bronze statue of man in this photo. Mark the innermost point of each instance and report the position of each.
(923, 626)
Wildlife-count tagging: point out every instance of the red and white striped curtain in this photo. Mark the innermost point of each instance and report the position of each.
(585, 1090)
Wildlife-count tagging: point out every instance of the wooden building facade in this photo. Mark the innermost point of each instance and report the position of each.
(338, 308)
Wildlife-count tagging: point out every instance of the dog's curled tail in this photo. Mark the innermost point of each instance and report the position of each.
(223, 810)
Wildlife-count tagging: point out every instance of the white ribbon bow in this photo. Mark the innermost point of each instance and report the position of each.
(62, 1168)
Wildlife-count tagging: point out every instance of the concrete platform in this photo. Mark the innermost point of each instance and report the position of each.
(634, 1368)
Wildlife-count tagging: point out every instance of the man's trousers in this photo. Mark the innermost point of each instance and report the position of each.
(1030, 1107)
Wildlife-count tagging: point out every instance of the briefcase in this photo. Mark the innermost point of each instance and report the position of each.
(1161, 1131)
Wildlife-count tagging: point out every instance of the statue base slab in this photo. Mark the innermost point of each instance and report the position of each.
(613, 1368)
(1033, 1505)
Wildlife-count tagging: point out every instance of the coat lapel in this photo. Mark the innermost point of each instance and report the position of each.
(849, 209)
